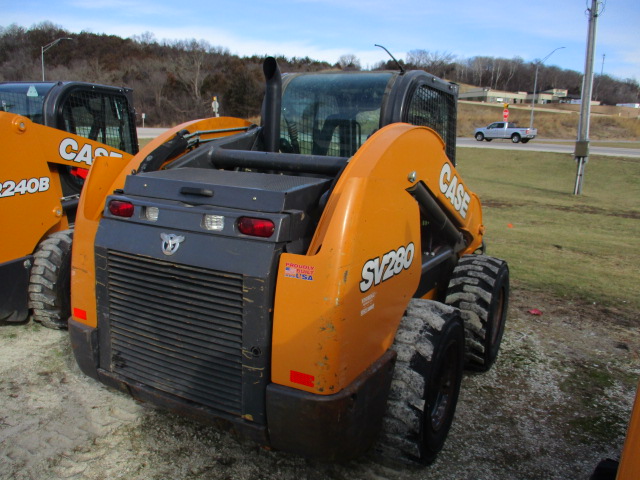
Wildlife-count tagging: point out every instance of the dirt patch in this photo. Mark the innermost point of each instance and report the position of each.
(585, 209)
(556, 402)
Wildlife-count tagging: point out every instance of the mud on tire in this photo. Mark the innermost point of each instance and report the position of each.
(479, 287)
(49, 286)
(425, 386)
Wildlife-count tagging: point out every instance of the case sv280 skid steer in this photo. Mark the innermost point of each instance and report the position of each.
(308, 282)
(50, 134)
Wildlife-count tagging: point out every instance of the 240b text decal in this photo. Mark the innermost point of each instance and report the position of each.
(9, 188)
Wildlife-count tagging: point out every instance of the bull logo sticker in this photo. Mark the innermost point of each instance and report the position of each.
(170, 243)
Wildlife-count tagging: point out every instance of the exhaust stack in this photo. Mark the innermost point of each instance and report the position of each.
(272, 105)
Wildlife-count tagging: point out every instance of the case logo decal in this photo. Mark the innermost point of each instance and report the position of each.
(70, 150)
(170, 243)
(381, 269)
(454, 190)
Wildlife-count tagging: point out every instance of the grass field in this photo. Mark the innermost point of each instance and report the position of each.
(549, 124)
(584, 247)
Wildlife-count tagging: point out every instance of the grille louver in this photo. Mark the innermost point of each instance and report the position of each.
(177, 329)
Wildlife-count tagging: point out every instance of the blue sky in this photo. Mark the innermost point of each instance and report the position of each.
(327, 29)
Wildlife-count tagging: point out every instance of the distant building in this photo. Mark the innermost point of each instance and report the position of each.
(488, 95)
(578, 101)
(629, 105)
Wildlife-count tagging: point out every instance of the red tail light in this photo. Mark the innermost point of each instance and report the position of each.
(120, 208)
(256, 227)
(80, 172)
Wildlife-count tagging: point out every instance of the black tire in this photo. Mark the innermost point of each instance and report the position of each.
(425, 386)
(525, 140)
(479, 136)
(50, 283)
(488, 139)
(479, 287)
(515, 138)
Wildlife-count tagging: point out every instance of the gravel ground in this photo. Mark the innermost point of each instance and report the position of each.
(556, 402)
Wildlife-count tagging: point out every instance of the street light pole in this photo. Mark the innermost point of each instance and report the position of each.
(535, 84)
(47, 47)
(582, 143)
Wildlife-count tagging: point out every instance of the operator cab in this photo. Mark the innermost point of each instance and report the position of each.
(334, 113)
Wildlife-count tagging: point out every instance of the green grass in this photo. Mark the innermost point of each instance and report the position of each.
(611, 144)
(581, 247)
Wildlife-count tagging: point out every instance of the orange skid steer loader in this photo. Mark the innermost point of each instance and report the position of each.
(316, 283)
(50, 134)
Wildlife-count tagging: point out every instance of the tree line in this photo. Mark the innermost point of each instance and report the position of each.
(175, 80)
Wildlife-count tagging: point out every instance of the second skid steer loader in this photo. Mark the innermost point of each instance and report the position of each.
(316, 283)
(50, 133)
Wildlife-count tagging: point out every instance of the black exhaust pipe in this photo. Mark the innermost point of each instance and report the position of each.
(272, 105)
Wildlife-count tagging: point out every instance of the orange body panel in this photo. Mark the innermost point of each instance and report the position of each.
(630, 462)
(30, 189)
(107, 175)
(328, 330)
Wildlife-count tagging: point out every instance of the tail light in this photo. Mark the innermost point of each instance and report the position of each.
(256, 227)
(80, 172)
(120, 208)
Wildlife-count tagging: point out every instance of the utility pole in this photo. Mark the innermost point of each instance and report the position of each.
(582, 143)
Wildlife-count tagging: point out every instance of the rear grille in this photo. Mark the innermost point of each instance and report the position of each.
(177, 329)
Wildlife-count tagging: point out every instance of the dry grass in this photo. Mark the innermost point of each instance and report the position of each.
(549, 124)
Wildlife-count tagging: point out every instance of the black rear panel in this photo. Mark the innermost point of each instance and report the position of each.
(177, 329)
(193, 324)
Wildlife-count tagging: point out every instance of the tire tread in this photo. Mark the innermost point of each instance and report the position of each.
(48, 296)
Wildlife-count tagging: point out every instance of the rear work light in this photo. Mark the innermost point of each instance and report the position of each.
(120, 208)
(256, 227)
(151, 213)
(213, 222)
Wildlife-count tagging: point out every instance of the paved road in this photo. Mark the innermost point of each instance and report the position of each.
(542, 145)
(547, 145)
(147, 132)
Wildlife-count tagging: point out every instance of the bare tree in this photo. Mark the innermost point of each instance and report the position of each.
(145, 38)
(188, 59)
(437, 63)
(349, 62)
(512, 67)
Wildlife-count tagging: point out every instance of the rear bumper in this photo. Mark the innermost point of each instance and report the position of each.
(335, 427)
(325, 427)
